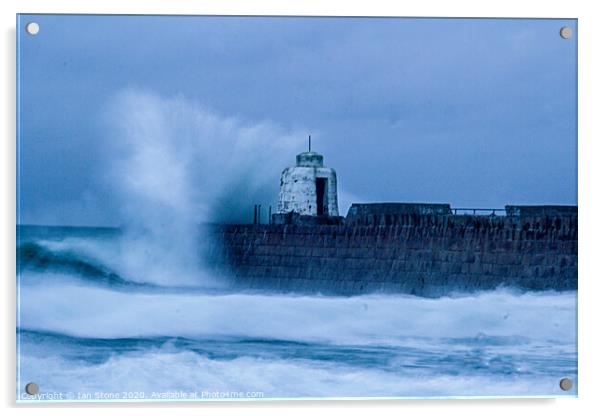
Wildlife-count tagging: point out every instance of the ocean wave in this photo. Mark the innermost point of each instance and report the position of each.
(88, 311)
(117, 260)
(161, 366)
(33, 256)
(481, 353)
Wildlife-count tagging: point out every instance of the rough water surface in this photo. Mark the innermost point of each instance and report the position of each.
(93, 325)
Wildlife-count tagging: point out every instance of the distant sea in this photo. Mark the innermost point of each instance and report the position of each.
(95, 323)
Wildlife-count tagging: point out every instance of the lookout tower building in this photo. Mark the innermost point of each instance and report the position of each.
(309, 188)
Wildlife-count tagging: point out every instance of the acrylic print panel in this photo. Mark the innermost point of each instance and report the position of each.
(181, 237)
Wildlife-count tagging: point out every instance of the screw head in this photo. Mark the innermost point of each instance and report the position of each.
(32, 28)
(566, 384)
(566, 32)
(32, 388)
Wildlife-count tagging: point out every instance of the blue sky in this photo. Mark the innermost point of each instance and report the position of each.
(472, 112)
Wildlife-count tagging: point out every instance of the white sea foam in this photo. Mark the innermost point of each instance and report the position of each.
(88, 311)
(162, 370)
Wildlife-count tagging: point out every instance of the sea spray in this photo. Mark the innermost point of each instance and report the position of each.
(174, 165)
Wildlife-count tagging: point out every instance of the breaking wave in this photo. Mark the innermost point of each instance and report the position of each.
(271, 369)
(33, 256)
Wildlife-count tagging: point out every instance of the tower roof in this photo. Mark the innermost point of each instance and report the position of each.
(310, 160)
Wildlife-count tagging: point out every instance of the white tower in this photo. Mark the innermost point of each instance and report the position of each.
(308, 188)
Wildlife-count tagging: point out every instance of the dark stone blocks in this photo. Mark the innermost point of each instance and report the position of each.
(425, 255)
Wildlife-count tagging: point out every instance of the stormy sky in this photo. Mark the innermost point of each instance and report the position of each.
(471, 112)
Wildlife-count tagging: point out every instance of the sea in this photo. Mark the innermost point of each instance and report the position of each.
(103, 317)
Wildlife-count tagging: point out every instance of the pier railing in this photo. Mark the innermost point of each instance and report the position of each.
(386, 214)
(479, 211)
(257, 211)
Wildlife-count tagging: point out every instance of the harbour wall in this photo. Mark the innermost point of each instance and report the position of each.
(421, 252)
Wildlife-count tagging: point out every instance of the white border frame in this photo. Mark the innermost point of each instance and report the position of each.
(590, 173)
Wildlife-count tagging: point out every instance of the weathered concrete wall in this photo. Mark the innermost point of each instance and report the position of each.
(427, 255)
(298, 191)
